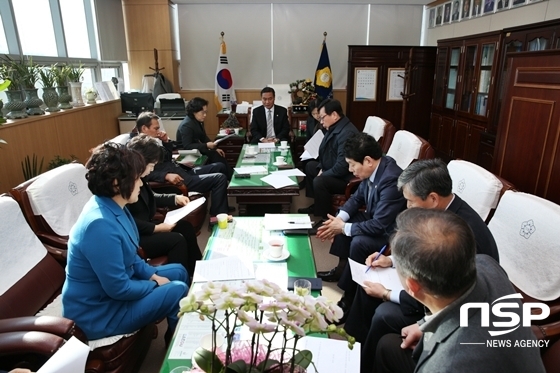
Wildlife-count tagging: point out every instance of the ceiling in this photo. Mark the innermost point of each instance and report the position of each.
(373, 2)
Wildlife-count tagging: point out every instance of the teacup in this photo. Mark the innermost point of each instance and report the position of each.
(275, 247)
(283, 144)
(280, 159)
(251, 150)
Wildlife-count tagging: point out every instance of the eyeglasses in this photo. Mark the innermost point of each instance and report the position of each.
(323, 117)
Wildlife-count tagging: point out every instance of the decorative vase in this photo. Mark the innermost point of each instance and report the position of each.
(90, 97)
(33, 102)
(64, 98)
(76, 90)
(50, 97)
(15, 105)
(2, 120)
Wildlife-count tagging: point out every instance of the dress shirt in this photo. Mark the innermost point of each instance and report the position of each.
(344, 215)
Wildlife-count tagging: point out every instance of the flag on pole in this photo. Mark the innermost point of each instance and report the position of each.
(223, 89)
(323, 75)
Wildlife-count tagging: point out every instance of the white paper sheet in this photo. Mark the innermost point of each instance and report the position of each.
(230, 268)
(223, 138)
(312, 146)
(274, 222)
(388, 277)
(266, 145)
(251, 170)
(173, 216)
(290, 172)
(190, 151)
(305, 156)
(71, 358)
(332, 355)
(278, 181)
(273, 272)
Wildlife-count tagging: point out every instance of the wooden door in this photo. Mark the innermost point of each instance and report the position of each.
(528, 138)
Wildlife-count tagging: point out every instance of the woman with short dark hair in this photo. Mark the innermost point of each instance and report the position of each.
(109, 290)
(192, 135)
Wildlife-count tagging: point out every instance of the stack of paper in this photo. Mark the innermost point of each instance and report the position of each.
(388, 277)
(174, 216)
(221, 269)
(273, 222)
(278, 181)
(265, 145)
(253, 170)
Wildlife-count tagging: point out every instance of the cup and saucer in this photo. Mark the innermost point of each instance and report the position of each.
(267, 255)
(279, 164)
(283, 147)
(276, 250)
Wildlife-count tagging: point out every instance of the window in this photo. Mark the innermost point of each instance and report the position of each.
(3, 41)
(75, 28)
(88, 79)
(108, 72)
(38, 39)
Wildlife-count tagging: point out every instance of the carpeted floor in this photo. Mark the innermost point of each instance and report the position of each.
(323, 260)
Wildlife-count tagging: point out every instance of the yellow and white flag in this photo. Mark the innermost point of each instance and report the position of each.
(223, 89)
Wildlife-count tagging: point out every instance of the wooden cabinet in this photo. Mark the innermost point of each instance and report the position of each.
(463, 92)
(528, 139)
(412, 114)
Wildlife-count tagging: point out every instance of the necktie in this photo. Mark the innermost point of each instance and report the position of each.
(369, 192)
(269, 125)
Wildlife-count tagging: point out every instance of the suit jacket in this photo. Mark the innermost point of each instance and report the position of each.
(192, 135)
(485, 244)
(443, 351)
(104, 273)
(144, 209)
(281, 124)
(384, 206)
(331, 151)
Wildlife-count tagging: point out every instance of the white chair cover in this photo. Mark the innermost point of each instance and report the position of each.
(59, 195)
(526, 231)
(121, 139)
(375, 127)
(20, 249)
(475, 185)
(405, 148)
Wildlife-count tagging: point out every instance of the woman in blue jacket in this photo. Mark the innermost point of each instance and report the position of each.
(109, 290)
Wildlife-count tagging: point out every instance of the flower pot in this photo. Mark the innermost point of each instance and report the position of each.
(76, 90)
(15, 105)
(33, 102)
(91, 97)
(64, 98)
(50, 97)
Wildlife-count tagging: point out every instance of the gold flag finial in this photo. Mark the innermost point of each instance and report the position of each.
(325, 36)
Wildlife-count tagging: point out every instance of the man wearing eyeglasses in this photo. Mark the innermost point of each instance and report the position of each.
(329, 174)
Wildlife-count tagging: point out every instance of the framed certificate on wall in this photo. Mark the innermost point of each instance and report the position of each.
(365, 83)
(395, 85)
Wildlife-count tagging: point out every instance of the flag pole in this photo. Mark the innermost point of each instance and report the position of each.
(324, 36)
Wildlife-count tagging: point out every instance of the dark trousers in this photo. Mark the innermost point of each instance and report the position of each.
(180, 245)
(208, 178)
(322, 188)
(215, 157)
(391, 358)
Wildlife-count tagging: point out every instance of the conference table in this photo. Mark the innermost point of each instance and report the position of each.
(244, 236)
(254, 191)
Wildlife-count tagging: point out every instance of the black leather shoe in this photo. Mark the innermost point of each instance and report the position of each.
(313, 230)
(329, 276)
(231, 209)
(306, 210)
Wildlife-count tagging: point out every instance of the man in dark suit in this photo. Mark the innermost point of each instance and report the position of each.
(358, 234)
(438, 265)
(377, 311)
(329, 174)
(270, 122)
(177, 241)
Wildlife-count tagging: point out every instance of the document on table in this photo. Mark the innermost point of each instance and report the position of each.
(251, 170)
(276, 222)
(278, 181)
(332, 355)
(312, 146)
(228, 268)
(266, 145)
(190, 332)
(174, 216)
(70, 358)
(273, 272)
(290, 172)
(388, 277)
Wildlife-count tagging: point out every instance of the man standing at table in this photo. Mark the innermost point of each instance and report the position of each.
(270, 122)
(359, 234)
(328, 174)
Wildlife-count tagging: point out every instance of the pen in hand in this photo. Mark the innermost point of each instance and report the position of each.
(377, 257)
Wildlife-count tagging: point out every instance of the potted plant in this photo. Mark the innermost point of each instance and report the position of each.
(29, 73)
(91, 95)
(15, 104)
(75, 74)
(60, 73)
(50, 97)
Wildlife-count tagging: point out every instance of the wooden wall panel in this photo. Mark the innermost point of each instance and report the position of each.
(147, 26)
(71, 132)
(143, 60)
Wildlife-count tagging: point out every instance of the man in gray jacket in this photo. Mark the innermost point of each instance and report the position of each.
(435, 256)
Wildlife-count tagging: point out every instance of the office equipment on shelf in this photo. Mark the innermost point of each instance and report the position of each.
(172, 107)
(136, 102)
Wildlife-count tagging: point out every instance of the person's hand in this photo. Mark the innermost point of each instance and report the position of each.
(412, 335)
(210, 145)
(221, 152)
(374, 289)
(164, 227)
(330, 228)
(162, 135)
(174, 179)
(181, 200)
(381, 262)
(159, 279)
(268, 139)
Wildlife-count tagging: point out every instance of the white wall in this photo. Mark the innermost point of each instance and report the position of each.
(280, 43)
(527, 14)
